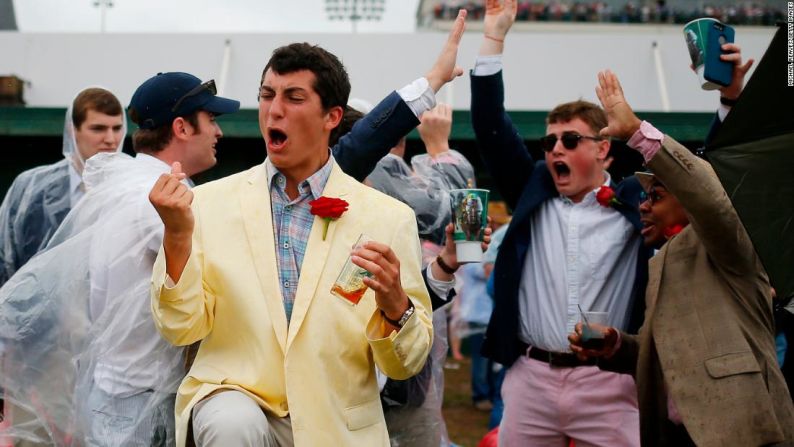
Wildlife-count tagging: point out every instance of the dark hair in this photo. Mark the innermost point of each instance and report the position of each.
(349, 118)
(155, 140)
(94, 98)
(331, 80)
(591, 114)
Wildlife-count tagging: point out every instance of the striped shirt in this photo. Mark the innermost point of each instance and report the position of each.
(292, 223)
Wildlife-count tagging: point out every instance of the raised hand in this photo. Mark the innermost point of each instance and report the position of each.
(172, 199)
(739, 70)
(621, 120)
(435, 128)
(499, 17)
(446, 69)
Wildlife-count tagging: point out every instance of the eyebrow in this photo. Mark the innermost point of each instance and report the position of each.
(287, 90)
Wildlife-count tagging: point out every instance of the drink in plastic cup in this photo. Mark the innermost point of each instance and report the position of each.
(593, 325)
(349, 285)
(696, 34)
(470, 216)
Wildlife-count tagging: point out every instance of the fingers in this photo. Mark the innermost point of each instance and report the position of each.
(176, 168)
(731, 48)
(511, 7)
(743, 69)
(458, 28)
(384, 250)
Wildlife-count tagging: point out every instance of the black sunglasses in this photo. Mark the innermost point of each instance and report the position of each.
(569, 141)
(208, 86)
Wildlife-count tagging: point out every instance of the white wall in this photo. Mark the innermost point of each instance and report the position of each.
(203, 16)
(545, 65)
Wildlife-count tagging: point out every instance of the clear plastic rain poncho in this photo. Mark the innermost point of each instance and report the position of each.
(77, 340)
(37, 202)
(425, 188)
(413, 406)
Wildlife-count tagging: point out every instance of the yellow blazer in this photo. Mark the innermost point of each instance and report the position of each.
(319, 369)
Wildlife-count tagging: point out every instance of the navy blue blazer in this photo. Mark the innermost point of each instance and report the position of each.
(525, 185)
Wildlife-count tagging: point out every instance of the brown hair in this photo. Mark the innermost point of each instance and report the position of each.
(155, 140)
(94, 98)
(591, 114)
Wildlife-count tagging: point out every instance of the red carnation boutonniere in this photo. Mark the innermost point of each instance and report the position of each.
(672, 230)
(606, 197)
(328, 208)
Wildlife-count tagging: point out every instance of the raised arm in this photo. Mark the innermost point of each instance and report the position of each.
(691, 180)
(499, 142)
(373, 136)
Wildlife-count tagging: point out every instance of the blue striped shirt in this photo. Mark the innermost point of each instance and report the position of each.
(292, 223)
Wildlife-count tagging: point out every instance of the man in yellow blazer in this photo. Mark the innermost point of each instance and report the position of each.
(247, 270)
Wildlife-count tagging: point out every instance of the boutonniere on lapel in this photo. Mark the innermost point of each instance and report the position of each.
(672, 230)
(328, 208)
(606, 197)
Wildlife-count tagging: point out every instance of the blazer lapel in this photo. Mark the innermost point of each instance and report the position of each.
(258, 221)
(317, 251)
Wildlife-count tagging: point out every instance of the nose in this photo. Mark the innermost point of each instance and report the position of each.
(111, 135)
(218, 130)
(645, 206)
(276, 109)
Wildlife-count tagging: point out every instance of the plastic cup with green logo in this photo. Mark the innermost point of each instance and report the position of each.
(470, 216)
(696, 34)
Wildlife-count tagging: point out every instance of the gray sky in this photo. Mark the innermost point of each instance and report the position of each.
(203, 16)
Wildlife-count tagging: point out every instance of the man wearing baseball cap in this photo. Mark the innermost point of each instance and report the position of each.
(131, 374)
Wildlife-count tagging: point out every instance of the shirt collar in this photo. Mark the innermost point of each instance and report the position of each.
(315, 183)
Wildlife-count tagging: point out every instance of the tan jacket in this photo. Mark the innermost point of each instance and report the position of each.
(321, 368)
(708, 336)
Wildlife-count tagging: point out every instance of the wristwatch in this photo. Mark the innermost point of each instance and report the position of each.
(404, 319)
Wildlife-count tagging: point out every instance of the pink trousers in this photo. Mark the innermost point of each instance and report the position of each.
(548, 406)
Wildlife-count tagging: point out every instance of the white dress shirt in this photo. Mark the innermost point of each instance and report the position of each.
(581, 254)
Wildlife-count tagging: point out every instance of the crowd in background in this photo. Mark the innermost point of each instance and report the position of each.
(739, 13)
(140, 310)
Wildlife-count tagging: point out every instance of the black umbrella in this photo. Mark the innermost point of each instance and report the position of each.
(753, 155)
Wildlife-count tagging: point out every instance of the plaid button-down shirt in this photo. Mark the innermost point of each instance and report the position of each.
(292, 223)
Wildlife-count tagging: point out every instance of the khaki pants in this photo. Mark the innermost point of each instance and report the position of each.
(230, 418)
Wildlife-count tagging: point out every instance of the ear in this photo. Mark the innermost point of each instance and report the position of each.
(602, 149)
(333, 117)
(181, 128)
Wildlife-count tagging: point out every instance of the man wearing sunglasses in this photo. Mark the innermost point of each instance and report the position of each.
(705, 360)
(563, 251)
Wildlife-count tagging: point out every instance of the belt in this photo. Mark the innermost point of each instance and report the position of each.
(559, 359)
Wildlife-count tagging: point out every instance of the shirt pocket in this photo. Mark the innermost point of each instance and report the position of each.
(601, 251)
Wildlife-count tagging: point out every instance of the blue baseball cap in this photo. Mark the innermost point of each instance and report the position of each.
(166, 96)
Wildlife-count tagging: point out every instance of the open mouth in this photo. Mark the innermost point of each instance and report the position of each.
(561, 169)
(276, 138)
(647, 227)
